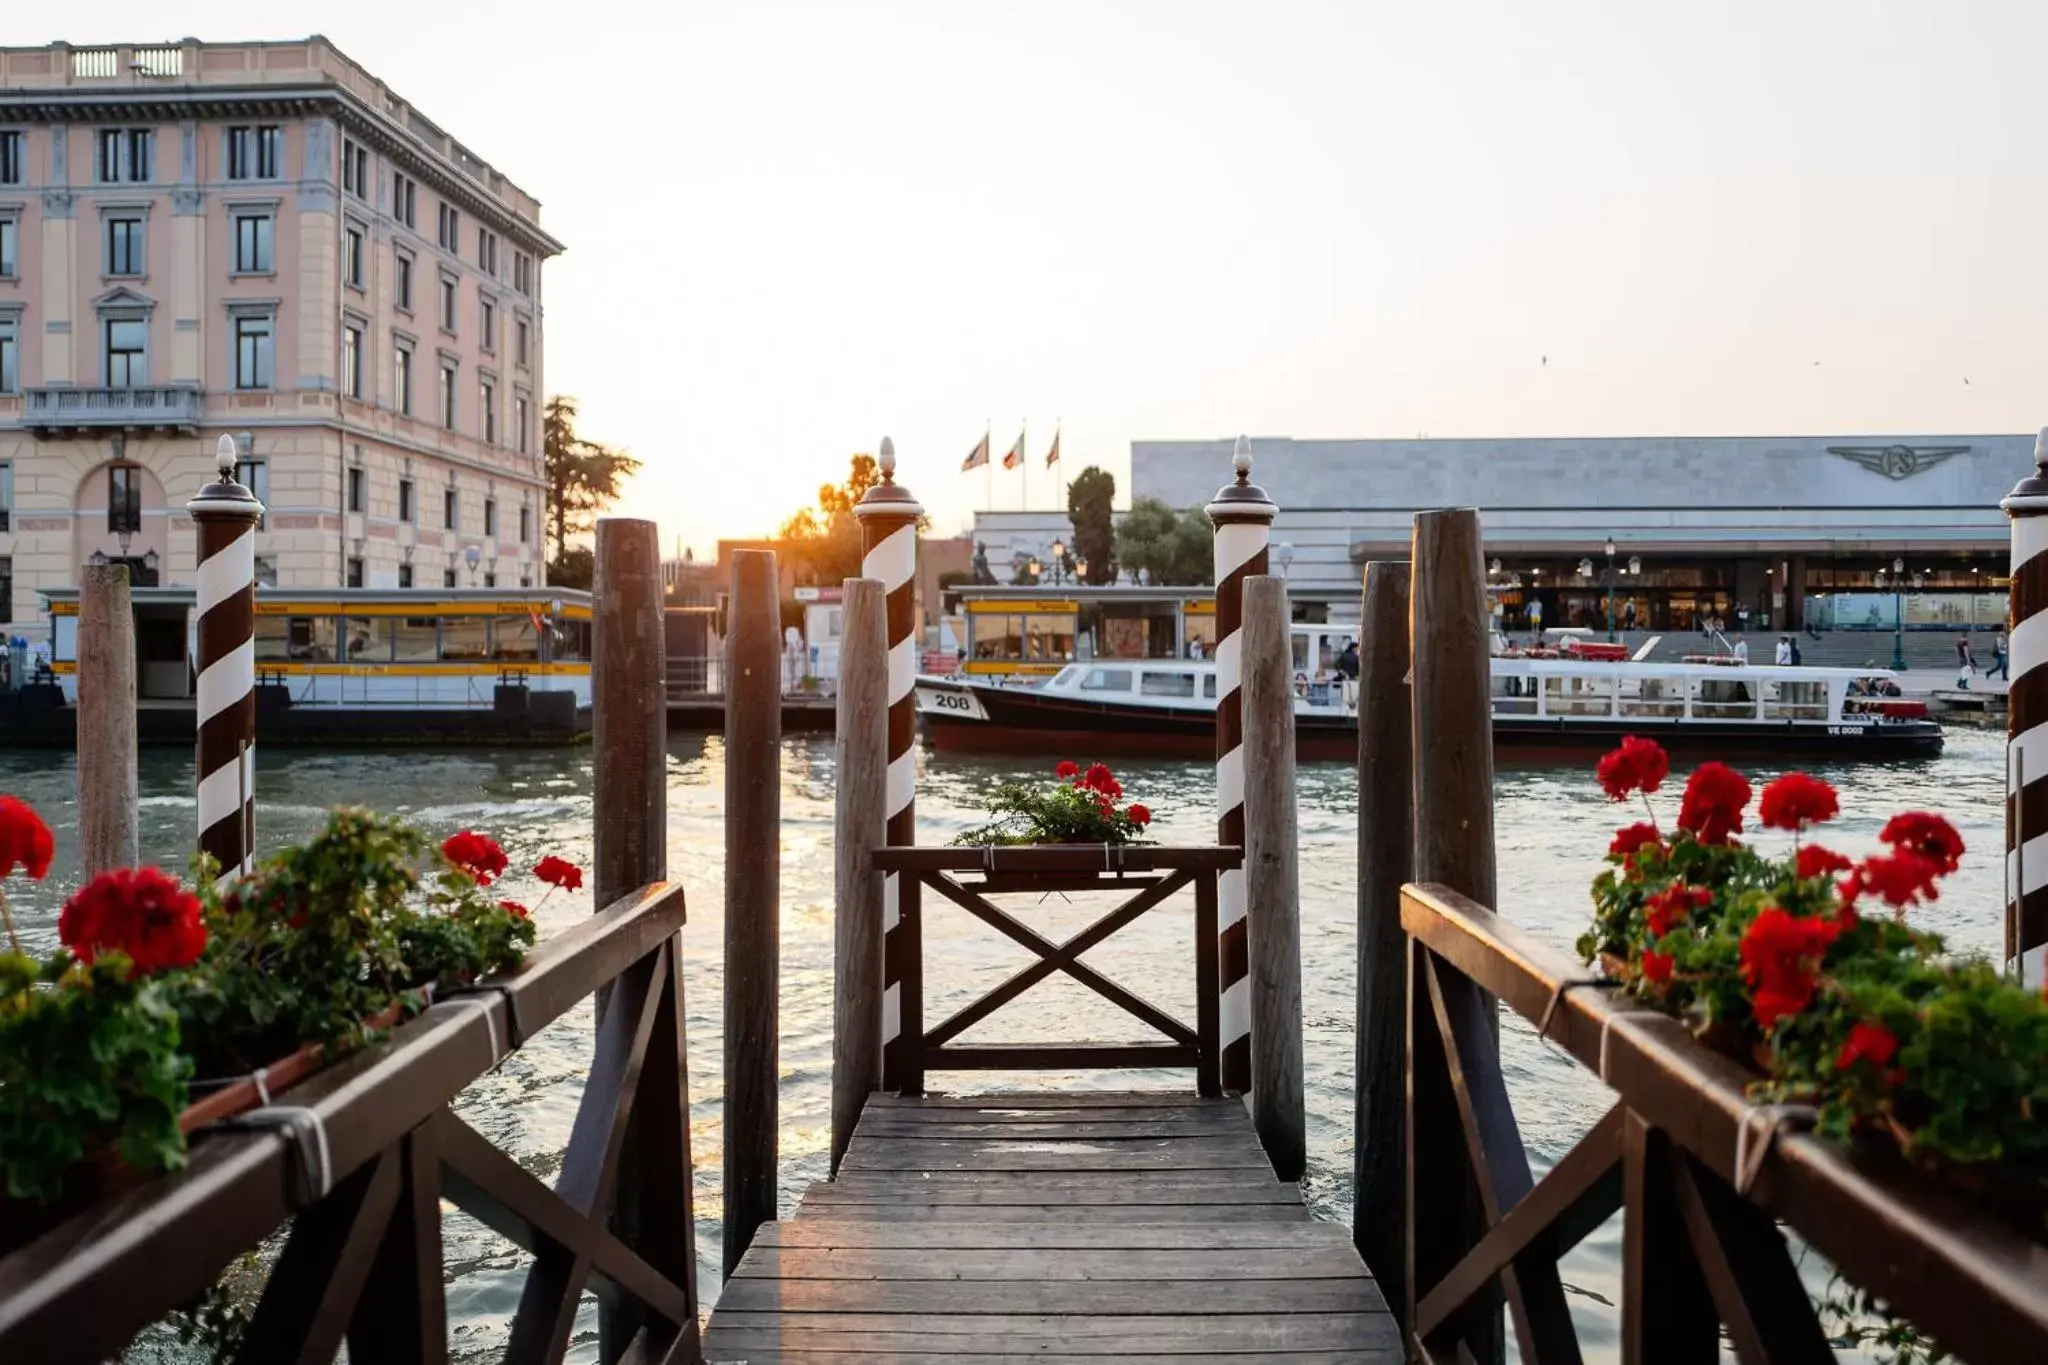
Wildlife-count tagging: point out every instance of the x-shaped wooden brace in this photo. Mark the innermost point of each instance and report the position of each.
(1059, 957)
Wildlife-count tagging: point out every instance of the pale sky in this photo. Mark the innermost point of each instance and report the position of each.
(794, 227)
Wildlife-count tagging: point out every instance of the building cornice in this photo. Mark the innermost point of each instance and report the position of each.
(171, 104)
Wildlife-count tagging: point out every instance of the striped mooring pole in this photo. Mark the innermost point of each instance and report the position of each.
(1243, 517)
(888, 517)
(226, 514)
(2026, 750)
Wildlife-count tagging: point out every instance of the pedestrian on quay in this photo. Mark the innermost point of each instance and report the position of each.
(1628, 614)
(1741, 652)
(1966, 663)
(1999, 662)
(1783, 655)
(1795, 660)
(1742, 619)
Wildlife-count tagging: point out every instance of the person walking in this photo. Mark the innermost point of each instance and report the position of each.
(1999, 661)
(1966, 663)
(1782, 657)
(1741, 652)
(1794, 657)
(1628, 614)
(1536, 618)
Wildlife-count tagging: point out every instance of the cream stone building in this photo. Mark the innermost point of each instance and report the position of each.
(262, 240)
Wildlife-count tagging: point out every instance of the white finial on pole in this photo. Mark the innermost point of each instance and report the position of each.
(225, 455)
(1241, 458)
(887, 460)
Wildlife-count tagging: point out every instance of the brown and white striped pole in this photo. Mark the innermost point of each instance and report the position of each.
(226, 514)
(2026, 750)
(888, 523)
(1243, 517)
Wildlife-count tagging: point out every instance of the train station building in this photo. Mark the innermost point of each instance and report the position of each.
(1780, 532)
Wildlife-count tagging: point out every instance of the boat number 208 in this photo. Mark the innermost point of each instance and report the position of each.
(950, 701)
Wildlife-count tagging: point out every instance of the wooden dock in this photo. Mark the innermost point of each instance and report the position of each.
(1138, 1226)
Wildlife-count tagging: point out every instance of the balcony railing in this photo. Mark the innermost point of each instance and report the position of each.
(160, 405)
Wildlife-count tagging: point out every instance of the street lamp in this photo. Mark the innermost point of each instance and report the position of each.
(1059, 559)
(1610, 590)
(472, 556)
(1285, 554)
(1898, 614)
(1033, 567)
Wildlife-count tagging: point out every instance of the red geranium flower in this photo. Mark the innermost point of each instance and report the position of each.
(559, 872)
(1815, 861)
(1926, 835)
(1067, 768)
(1638, 765)
(1712, 807)
(1780, 959)
(1898, 880)
(1673, 904)
(1656, 967)
(1099, 778)
(1139, 814)
(1867, 1042)
(24, 840)
(1629, 838)
(513, 908)
(1795, 801)
(476, 854)
(138, 911)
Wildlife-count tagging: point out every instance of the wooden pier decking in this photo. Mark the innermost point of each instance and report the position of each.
(1132, 1225)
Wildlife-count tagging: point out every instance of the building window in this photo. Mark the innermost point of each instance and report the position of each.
(490, 578)
(525, 525)
(450, 230)
(406, 511)
(487, 323)
(405, 575)
(448, 395)
(256, 153)
(6, 509)
(401, 287)
(488, 395)
(519, 424)
(352, 362)
(522, 273)
(127, 353)
(10, 246)
(487, 251)
(254, 235)
(10, 356)
(13, 153)
(124, 154)
(447, 578)
(451, 510)
(448, 304)
(254, 475)
(252, 352)
(490, 518)
(355, 168)
(521, 343)
(124, 246)
(352, 256)
(354, 575)
(124, 499)
(405, 199)
(358, 481)
(401, 383)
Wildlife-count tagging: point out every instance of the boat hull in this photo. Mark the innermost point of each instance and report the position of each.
(1025, 721)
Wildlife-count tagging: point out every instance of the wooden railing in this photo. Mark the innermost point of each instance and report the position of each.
(1152, 874)
(1702, 1175)
(369, 1148)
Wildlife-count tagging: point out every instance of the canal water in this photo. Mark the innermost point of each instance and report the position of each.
(1553, 827)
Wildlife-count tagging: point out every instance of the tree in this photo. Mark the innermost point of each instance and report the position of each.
(1088, 507)
(823, 542)
(575, 567)
(1175, 549)
(583, 478)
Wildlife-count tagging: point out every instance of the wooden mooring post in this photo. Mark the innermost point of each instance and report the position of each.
(1273, 877)
(1451, 701)
(1386, 860)
(107, 791)
(861, 768)
(753, 895)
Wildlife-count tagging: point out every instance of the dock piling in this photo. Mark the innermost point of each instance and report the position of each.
(1386, 860)
(2026, 817)
(860, 767)
(108, 796)
(226, 514)
(629, 850)
(1273, 878)
(1243, 517)
(753, 895)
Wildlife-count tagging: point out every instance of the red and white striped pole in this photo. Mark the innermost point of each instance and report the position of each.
(1243, 517)
(2026, 750)
(226, 514)
(888, 517)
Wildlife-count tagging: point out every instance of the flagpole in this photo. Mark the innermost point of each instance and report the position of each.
(1024, 447)
(988, 498)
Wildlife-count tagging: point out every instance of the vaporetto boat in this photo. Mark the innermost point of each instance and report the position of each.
(1166, 708)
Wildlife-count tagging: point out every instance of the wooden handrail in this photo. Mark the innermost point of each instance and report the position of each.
(1955, 1270)
(1061, 858)
(83, 1290)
